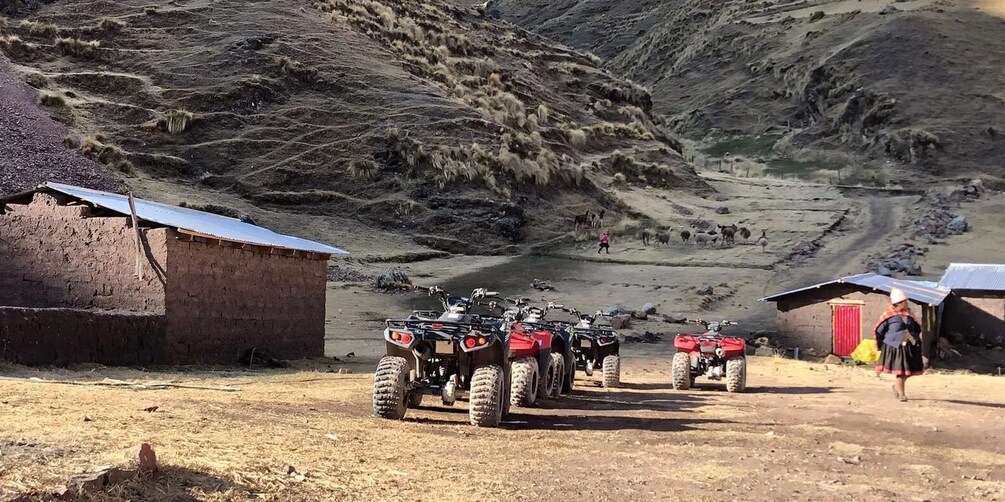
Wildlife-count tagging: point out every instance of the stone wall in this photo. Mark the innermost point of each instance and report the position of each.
(979, 318)
(50, 256)
(806, 319)
(222, 300)
(60, 337)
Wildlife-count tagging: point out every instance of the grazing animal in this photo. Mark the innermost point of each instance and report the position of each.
(581, 220)
(663, 238)
(685, 236)
(598, 219)
(646, 236)
(703, 239)
(763, 241)
(745, 233)
(728, 234)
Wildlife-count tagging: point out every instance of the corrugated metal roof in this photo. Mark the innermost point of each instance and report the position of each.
(918, 291)
(193, 221)
(981, 276)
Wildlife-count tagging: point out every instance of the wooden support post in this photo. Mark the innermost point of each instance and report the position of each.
(136, 230)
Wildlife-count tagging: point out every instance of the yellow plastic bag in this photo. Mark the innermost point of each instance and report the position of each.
(866, 352)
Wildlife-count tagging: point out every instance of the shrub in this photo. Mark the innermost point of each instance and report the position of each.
(110, 155)
(111, 25)
(36, 28)
(179, 120)
(51, 99)
(77, 47)
(363, 168)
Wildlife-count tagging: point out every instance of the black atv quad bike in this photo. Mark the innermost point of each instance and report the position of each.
(592, 344)
(455, 355)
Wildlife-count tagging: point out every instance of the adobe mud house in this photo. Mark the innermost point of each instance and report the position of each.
(211, 286)
(975, 311)
(834, 317)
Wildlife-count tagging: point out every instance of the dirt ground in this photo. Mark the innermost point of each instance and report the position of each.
(803, 431)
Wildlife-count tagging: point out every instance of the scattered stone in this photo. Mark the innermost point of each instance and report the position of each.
(889, 9)
(832, 359)
(810, 352)
(151, 409)
(856, 460)
(393, 279)
(675, 318)
(706, 290)
(816, 16)
(614, 310)
(762, 341)
(647, 337)
(345, 371)
(765, 351)
(100, 479)
(339, 273)
(542, 286)
(620, 321)
(331, 437)
(722, 210)
(649, 309)
(958, 224)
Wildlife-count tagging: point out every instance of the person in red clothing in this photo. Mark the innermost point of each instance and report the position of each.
(898, 336)
(605, 242)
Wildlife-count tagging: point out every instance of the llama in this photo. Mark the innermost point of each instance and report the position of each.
(646, 236)
(598, 219)
(703, 239)
(663, 238)
(728, 234)
(763, 241)
(581, 220)
(745, 233)
(685, 236)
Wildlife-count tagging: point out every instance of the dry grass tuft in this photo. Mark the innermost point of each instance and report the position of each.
(151, 11)
(78, 48)
(95, 149)
(179, 120)
(111, 25)
(363, 168)
(39, 29)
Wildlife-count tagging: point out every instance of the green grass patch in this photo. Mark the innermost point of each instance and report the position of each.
(748, 146)
(789, 167)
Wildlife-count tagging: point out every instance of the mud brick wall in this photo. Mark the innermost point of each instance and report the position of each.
(979, 317)
(60, 337)
(50, 256)
(806, 318)
(222, 300)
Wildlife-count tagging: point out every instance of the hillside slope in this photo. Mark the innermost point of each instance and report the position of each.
(848, 81)
(412, 115)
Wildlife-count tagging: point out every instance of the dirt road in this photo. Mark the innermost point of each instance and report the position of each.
(803, 432)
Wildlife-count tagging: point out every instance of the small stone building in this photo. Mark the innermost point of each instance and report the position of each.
(975, 311)
(834, 317)
(199, 287)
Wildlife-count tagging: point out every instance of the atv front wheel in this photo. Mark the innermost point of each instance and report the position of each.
(612, 371)
(736, 374)
(414, 400)
(485, 402)
(558, 363)
(681, 371)
(526, 378)
(390, 396)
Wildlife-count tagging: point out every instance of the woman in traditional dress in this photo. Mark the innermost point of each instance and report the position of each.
(898, 336)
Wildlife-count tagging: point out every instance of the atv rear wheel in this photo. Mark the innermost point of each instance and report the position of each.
(558, 363)
(546, 385)
(390, 395)
(736, 374)
(485, 402)
(612, 371)
(681, 371)
(526, 379)
(570, 379)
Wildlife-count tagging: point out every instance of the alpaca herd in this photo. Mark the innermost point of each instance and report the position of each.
(724, 235)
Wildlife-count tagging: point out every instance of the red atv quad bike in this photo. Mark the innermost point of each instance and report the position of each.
(710, 354)
(535, 371)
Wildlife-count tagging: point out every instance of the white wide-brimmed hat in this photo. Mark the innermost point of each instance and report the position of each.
(897, 296)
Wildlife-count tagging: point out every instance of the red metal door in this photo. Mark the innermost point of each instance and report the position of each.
(847, 329)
